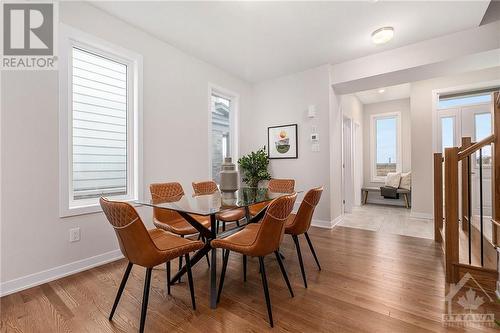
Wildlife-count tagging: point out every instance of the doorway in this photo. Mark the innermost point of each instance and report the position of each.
(472, 120)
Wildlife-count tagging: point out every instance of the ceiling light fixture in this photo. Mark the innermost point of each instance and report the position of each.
(382, 35)
(381, 91)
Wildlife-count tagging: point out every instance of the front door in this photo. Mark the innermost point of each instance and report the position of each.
(472, 121)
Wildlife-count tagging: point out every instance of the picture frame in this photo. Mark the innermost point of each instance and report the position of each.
(283, 142)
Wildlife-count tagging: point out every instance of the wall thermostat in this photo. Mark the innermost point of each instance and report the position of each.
(314, 137)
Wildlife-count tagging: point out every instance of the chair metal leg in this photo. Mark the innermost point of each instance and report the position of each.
(190, 280)
(283, 272)
(223, 226)
(299, 254)
(180, 263)
(266, 290)
(167, 264)
(244, 268)
(312, 250)
(206, 255)
(120, 289)
(238, 223)
(223, 274)
(145, 298)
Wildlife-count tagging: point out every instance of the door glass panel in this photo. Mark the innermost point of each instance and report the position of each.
(447, 132)
(482, 124)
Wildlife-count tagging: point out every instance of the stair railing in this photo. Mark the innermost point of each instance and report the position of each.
(447, 195)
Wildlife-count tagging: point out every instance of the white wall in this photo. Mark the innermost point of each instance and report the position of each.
(352, 108)
(175, 112)
(284, 101)
(421, 131)
(400, 105)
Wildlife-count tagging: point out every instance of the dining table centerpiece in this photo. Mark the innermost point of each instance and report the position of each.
(253, 167)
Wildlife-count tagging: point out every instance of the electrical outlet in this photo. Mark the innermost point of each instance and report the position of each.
(74, 235)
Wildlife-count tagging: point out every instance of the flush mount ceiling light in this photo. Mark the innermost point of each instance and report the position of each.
(382, 35)
(381, 91)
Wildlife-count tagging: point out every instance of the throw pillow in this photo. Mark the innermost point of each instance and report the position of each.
(392, 179)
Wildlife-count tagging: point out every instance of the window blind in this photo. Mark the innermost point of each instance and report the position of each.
(99, 110)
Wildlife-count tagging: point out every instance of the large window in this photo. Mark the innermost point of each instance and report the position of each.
(221, 136)
(100, 116)
(385, 155)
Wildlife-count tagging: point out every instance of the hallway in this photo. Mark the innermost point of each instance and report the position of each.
(388, 220)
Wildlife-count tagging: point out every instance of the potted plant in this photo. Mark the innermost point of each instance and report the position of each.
(253, 167)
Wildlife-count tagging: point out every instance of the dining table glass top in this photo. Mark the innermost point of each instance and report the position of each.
(216, 202)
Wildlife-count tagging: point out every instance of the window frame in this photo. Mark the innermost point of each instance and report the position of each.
(70, 38)
(233, 121)
(457, 125)
(373, 143)
(476, 154)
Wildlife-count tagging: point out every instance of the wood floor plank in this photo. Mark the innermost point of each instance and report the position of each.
(370, 282)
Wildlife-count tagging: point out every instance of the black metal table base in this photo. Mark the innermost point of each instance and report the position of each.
(209, 235)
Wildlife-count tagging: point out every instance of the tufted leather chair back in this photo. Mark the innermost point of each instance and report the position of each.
(281, 185)
(133, 237)
(272, 227)
(207, 187)
(304, 215)
(166, 192)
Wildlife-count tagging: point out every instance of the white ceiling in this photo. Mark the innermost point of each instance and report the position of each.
(260, 40)
(390, 93)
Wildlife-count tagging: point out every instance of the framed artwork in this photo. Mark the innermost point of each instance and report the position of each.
(282, 141)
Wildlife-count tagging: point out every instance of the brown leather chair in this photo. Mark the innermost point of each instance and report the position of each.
(146, 248)
(233, 215)
(259, 240)
(274, 185)
(172, 221)
(298, 224)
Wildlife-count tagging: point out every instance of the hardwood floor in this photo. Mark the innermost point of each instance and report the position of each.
(370, 282)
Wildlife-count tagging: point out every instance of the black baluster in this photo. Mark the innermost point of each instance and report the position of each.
(481, 200)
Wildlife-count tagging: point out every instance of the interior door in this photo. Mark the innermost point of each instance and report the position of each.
(348, 165)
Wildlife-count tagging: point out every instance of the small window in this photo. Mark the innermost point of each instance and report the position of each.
(386, 145)
(445, 103)
(99, 123)
(447, 132)
(482, 124)
(221, 108)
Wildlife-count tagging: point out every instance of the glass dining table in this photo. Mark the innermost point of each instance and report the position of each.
(210, 205)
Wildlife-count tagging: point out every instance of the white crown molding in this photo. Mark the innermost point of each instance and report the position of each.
(55, 273)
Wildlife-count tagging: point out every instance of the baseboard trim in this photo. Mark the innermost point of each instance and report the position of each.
(418, 215)
(325, 224)
(55, 273)
(337, 220)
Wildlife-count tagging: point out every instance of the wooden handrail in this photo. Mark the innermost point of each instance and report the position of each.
(475, 147)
